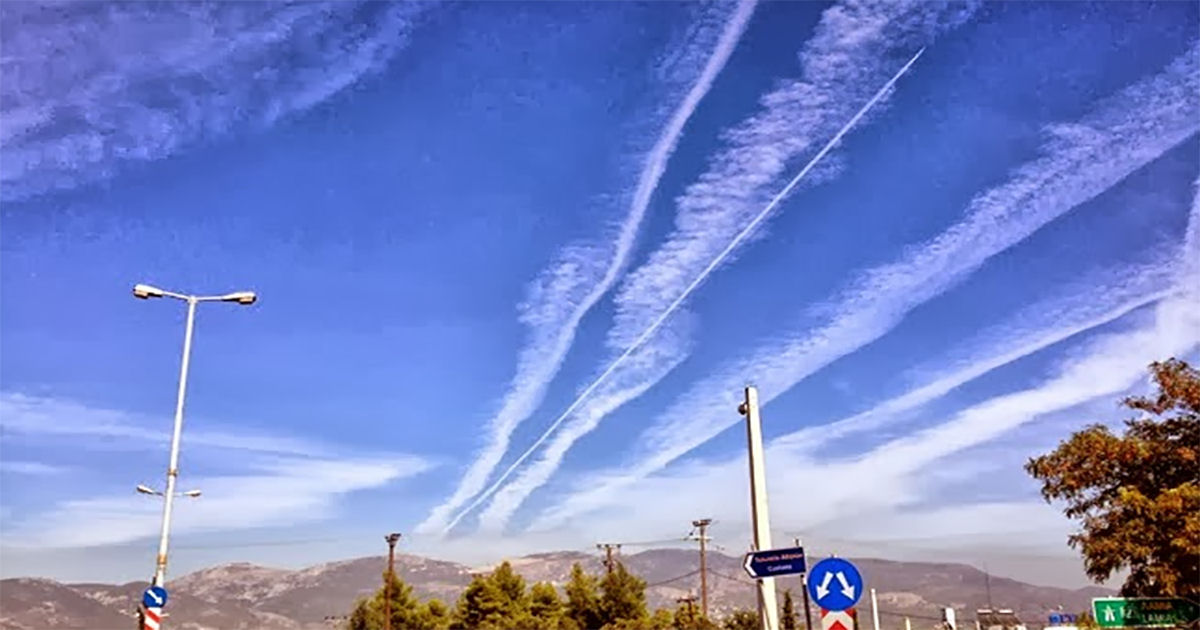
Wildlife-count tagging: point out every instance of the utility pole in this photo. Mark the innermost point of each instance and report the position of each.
(804, 589)
(690, 601)
(608, 549)
(391, 539)
(702, 525)
(768, 612)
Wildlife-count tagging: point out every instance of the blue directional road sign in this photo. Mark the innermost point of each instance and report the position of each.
(154, 597)
(835, 584)
(772, 562)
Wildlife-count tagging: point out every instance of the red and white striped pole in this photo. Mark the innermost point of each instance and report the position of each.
(151, 618)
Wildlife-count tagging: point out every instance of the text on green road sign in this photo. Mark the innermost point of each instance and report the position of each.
(1143, 612)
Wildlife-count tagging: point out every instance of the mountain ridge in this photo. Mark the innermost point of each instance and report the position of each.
(246, 596)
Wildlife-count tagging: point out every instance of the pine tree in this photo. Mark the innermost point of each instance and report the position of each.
(688, 617)
(364, 617)
(494, 601)
(407, 611)
(545, 607)
(662, 620)
(624, 596)
(583, 602)
(788, 614)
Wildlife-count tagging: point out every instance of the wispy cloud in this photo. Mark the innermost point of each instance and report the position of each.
(78, 103)
(1080, 161)
(855, 50)
(645, 367)
(38, 416)
(264, 479)
(1088, 304)
(567, 290)
(872, 496)
(33, 469)
(279, 492)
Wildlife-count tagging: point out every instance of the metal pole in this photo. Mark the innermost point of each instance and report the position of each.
(804, 589)
(907, 623)
(160, 566)
(767, 611)
(874, 610)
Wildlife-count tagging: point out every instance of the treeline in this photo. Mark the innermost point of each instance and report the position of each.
(500, 600)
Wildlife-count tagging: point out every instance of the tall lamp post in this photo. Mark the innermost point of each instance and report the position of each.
(146, 292)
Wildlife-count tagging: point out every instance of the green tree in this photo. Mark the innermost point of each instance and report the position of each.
(787, 616)
(662, 620)
(436, 616)
(583, 601)
(364, 617)
(495, 601)
(689, 617)
(1138, 494)
(407, 611)
(741, 620)
(624, 596)
(545, 607)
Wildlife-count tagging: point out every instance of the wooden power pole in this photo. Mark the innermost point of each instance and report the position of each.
(702, 526)
(391, 539)
(689, 601)
(608, 549)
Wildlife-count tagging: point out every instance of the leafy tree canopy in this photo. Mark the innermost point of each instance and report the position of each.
(741, 620)
(1137, 495)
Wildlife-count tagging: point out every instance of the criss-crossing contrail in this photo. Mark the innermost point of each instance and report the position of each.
(662, 318)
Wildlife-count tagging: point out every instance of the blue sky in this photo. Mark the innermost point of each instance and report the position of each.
(460, 219)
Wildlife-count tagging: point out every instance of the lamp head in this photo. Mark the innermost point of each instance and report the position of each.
(245, 298)
(145, 291)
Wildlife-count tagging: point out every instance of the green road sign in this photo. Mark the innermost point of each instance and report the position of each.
(1144, 612)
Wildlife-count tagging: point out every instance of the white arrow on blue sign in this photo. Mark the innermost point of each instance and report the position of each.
(835, 584)
(772, 562)
(154, 597)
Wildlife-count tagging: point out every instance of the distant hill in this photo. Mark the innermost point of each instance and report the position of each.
(243, 596)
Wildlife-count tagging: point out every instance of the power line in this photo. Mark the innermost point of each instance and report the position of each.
(674, 579)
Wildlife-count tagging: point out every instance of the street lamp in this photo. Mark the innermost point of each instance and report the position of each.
(145, 292)
(144, 489)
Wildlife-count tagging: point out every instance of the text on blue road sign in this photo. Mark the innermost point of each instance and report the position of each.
(760, 564)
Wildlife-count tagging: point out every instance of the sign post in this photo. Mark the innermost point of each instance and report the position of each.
(153, 600)
(773, 562)
(1144, 612)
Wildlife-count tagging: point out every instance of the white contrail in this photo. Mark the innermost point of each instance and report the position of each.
(60, 130)
(1080, 161)
(574, 272)
(843, 62)
(658, 322)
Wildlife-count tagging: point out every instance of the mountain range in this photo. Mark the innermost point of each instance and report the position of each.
(244, 596)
